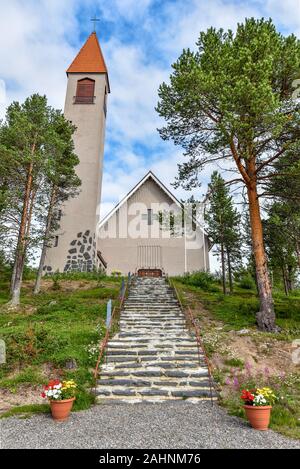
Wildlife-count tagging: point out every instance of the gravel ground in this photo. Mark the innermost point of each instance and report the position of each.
(167, 425)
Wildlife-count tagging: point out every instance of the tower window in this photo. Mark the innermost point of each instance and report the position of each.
(85, 91)
(56, 241)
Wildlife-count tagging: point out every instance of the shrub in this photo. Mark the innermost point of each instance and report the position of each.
(200, 279)
(247, 282)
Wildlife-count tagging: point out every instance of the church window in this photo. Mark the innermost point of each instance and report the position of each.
(172, 223)
(150, 216)
(85, 91)
(56, 241)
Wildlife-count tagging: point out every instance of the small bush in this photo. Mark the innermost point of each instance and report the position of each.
(247, 282)
(234, 362)
(200, 279)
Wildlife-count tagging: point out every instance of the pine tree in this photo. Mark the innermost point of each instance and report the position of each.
(231, 100)
(37, 165)
(222, 226)
(61, 182)
(282, 228)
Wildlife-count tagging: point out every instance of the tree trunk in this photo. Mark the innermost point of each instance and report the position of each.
(21, 246)
(298, 252)
(37, 285)
(289, 279)
(13, 276)
(265, 316)
(286, 290)
(223, 269)
(229, 272)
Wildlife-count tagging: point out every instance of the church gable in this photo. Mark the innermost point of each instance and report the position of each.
(150, 192)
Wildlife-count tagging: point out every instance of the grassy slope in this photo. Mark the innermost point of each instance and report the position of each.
(52, 328)
(220, 319)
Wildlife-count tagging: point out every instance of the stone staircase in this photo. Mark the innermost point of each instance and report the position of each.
(153, 357)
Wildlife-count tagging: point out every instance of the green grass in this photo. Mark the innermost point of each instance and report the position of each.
(51, 328)
(237, 310)
(234, 362)
(26, 411)
(27, 375)
(285, 416)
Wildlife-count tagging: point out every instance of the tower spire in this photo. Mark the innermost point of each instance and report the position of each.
(89, 59)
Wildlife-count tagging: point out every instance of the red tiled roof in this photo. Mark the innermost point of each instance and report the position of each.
(89, 59)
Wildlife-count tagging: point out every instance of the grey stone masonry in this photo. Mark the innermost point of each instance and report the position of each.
(154, 357)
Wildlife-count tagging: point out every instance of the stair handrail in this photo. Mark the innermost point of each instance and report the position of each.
(117, 308)
(200, 346)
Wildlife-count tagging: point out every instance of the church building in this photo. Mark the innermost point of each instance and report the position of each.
(147, 232)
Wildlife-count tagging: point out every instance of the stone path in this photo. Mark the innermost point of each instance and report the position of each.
(171, 424)
(153, 357)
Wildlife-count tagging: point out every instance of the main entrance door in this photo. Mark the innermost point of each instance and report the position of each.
(149, 261)
(149, 273)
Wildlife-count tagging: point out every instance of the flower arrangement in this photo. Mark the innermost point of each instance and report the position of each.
(59, 390)
(258, 397)
(258, 405)
(61, 395)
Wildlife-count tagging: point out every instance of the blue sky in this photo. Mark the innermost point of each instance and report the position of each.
(140, 40)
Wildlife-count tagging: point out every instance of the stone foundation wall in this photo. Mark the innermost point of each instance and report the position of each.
(81, 256)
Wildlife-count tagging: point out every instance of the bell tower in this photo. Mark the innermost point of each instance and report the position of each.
(74, 245)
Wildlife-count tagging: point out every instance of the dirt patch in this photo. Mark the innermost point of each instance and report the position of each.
(25, 395)
(65, 285)
(261, 351)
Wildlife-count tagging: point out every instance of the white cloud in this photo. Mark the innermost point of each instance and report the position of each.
(40, 39)
(134, 83)
(36, 51)
(286, 13)
(2, 92)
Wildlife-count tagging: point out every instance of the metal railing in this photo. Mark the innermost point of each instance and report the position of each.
(193, 322)
(115, 313)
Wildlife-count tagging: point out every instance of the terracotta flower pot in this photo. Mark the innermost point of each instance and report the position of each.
(258, 416)
(61, 409)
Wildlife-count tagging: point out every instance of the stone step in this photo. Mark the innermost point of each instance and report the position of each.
(140, 392)
(155, 358)
(152, 343)
(167, 382)
(158, 335)
(145, 352)
(143, 364)
(156, 373)
(119, 400)
(167, 322)
(146, 339)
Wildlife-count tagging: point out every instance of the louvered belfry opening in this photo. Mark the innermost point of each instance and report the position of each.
(85, 91)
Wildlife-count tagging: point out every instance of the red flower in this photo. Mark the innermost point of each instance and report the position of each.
(247, 396)
(43, 395)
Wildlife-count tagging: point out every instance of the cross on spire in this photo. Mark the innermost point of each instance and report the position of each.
(95, 19)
